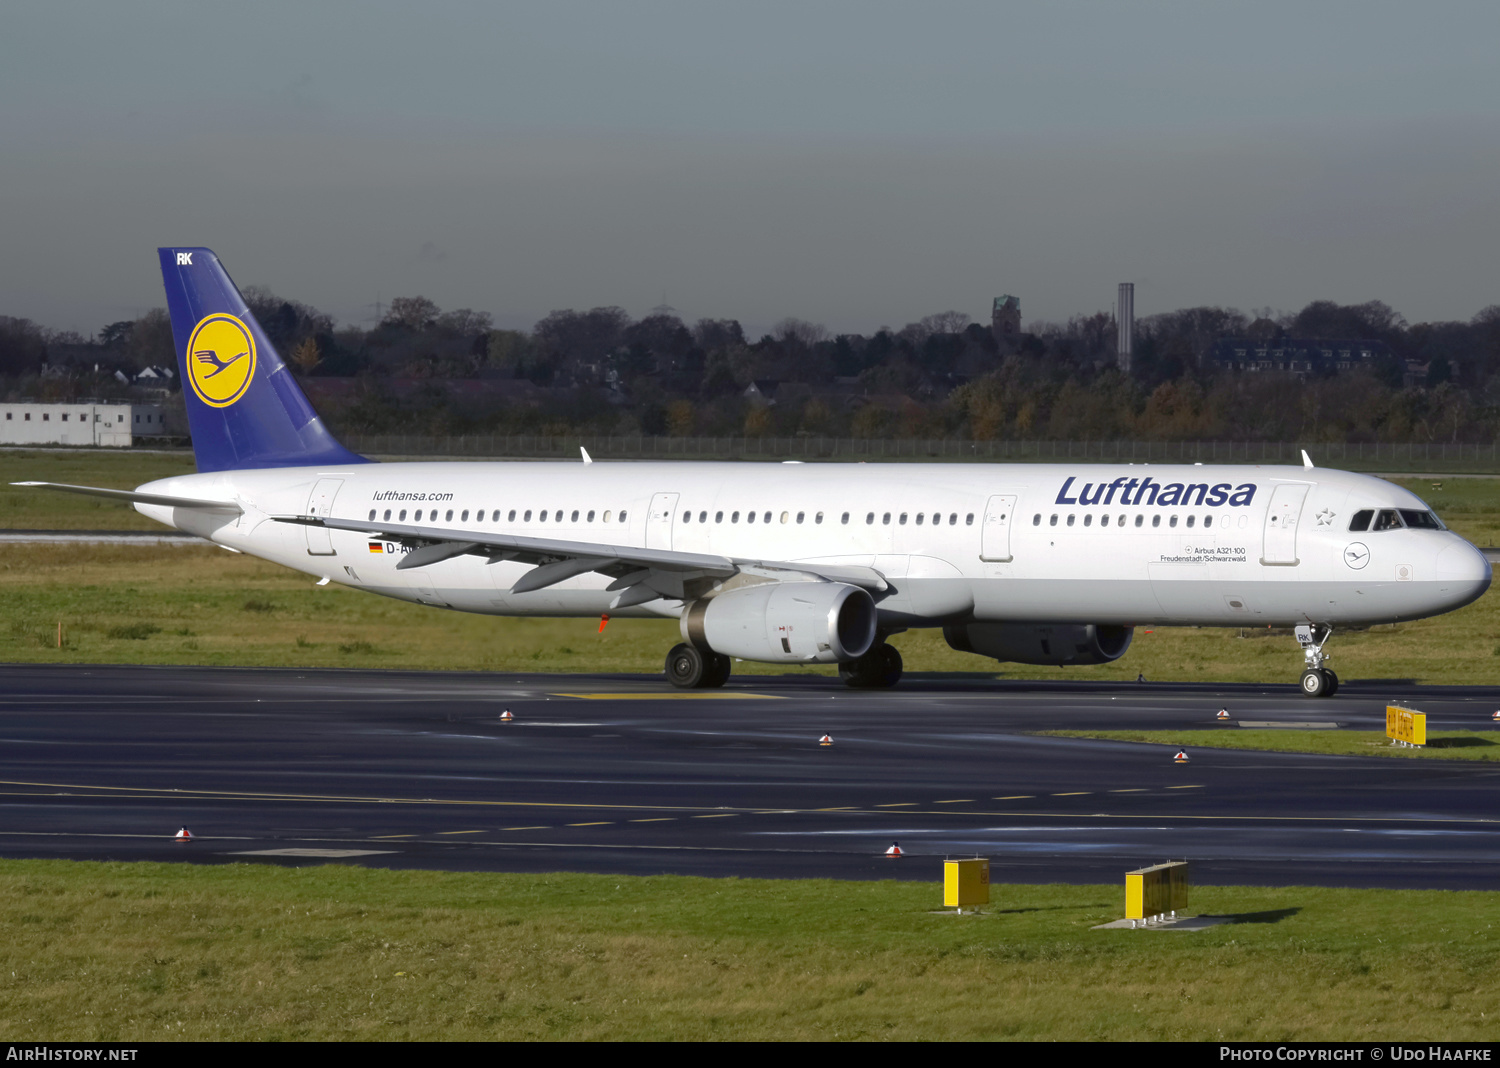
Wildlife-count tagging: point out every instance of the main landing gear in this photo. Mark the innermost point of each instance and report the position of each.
(689, 668)
(877, 669)
(1317, 680)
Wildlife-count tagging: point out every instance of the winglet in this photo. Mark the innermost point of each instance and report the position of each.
(1306, 460)
(586, 457)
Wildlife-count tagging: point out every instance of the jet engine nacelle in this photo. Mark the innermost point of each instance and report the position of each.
(785, 622)
(1042, 643)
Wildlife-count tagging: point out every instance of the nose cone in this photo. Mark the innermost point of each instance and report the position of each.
(1464, 570)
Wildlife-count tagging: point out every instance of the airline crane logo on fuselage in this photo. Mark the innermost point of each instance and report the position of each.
(220, 359)
(1147, 491)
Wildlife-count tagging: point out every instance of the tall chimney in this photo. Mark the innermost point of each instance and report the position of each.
(1125, 322)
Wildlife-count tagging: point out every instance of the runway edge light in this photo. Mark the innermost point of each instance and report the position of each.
(895, 850)
(184, 835)
(506, 717)
(1181, 757)
(1154, 893)
(827, 739)
(966, 882)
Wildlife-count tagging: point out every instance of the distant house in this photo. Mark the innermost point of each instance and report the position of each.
(111, 424)
(1298, 356)
(761, 391)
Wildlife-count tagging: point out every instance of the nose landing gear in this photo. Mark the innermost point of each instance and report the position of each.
(1317, 680)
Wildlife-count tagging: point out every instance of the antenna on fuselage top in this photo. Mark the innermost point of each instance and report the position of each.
(1306, 460)
(589, 459)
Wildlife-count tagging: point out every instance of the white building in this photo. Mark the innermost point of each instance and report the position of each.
(113, 424)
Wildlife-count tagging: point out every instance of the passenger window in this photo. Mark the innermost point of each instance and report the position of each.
(1172, 522)
(1208, 521)
(766, 518)
(1070, 520)
(1053, 521)
(969, 520)
(1139, 520)
(403, 515)
(496, 517)
(803, 515)
(1387, 520)
(919, 519)
(749, 517)
(449, 516)
(844, 519)
(702, 517)
(543, 517)
(785, 516)
(417, 517)
(687, 517)
(1156, 521)
(606, 515)
(527, 516)
(511, 517)
(575, 515)
(870, 519)
(1361, 520)
(463, 518)
(718, 517)
(387, 513)
(953, 519)
(817, 519)
(1088, 520)
(1120, 521)
(903, 519)
(734, 517)
(1190, 520)
(591, 515)
(886, 519)
(372, 515)
(622, 515)
(1036, 520)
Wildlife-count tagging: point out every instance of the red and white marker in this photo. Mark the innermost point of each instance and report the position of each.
(894, 851)
(184, 835)
(1181, 757)
(1496, 716)
(506, 717)
(1223, 714)
(827, 739)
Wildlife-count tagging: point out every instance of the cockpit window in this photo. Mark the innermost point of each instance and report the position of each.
(1420, 520)
(1361, 520)
(1387, 519)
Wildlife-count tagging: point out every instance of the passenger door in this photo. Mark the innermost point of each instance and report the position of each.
(994, 537)
(320, 505)
(659, 520)
(1280, 543)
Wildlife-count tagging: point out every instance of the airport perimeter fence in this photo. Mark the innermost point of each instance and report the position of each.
(1369, 456)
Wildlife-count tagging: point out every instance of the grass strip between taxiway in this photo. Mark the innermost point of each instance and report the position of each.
(144, 951)
(1446, 745)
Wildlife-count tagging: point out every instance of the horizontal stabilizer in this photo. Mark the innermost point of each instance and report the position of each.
(220, 507)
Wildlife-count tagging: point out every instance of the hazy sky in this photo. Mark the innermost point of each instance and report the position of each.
(855, 164)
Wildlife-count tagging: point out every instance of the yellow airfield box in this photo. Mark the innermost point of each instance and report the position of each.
(966, 882)
(1404, 725)
(1156, 890)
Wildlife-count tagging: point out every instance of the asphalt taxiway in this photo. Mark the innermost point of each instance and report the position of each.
(622, 774)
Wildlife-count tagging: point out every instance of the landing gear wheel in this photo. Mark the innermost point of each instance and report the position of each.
(686, 667)
(716, 671)
(877, 669)
(1315, 683)
(1333, 682)
(888, 666)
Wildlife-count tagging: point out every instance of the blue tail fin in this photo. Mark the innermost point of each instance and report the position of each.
(244, 408)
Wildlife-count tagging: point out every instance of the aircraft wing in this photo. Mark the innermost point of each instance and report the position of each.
(639, 574)
(223, 507)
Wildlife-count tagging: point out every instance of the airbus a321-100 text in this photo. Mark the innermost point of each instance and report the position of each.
(793, 563)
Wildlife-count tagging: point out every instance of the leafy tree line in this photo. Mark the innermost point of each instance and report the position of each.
(423, 370)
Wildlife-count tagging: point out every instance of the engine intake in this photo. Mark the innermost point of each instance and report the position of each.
(1042, 643)
(784, 622)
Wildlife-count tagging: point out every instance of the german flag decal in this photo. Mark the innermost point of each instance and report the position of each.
(375, 547)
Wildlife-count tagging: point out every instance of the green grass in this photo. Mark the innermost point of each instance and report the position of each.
(1449, 745)
(130, 952)
(22, 508)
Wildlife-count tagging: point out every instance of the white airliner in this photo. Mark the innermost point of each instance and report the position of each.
(793, 563)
